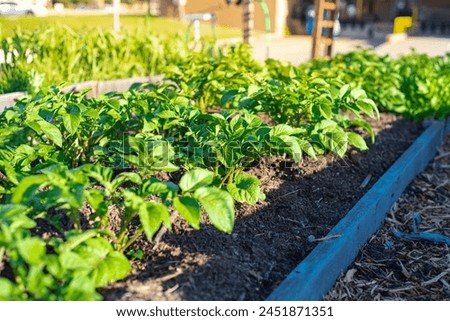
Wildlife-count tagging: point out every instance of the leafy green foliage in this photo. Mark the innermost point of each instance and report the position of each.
(414, 85)
(52, 55)
(55, 269)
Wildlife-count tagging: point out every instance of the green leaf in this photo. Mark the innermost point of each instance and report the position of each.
(99, 259)
(154, 186)
(227, 96)
(344, 91)
(39, 283)
(253, 89)
(357, 141)
(307, 148)
(245, 188)
(152, 214)
(9, 291)
(32, 250)
(188, 209)
(81, 288)
(164, 166)
(323, 108)
(76, 239)
(358, 93)
(115, 266)
(281, 130)
(72, 119)
(125, 177)
(293, 147)
(338, 142)
(27, 187)
(366, 126)
(367, 106)
(51, 131)
(15, 215)
(219, 206)
(9, 171)
(97, 201)
(195, 179)
(73, 261)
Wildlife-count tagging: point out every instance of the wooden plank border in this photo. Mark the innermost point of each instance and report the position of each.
(9, 99)
(317, 273)
(96, 88)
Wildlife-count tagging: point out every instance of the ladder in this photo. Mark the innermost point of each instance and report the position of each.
(325, 16)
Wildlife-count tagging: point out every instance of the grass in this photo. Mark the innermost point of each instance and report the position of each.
(128, 23)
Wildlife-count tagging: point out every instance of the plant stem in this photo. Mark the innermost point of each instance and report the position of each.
(132, 240)
(2, 252)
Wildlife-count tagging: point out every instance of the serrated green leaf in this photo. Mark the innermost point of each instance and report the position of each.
(219, 206)
(195, 179)
(189, 209)
(245, 188)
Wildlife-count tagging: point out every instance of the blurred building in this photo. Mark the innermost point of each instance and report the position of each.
(430, 16)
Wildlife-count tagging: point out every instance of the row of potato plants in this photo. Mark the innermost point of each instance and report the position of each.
(67, 163)
(414, 85)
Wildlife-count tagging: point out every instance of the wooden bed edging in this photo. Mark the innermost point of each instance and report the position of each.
(97, 87)
(317, 273)
(9, 99)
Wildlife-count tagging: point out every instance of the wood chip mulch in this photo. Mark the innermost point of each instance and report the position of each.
(390, 267)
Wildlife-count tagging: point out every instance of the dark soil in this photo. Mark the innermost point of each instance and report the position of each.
(269, 239)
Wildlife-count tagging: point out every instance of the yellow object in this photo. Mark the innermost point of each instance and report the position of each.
(401, 24)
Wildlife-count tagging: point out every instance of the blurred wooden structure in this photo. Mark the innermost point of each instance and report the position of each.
(324, 21)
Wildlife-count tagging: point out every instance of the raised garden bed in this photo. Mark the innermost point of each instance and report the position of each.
(270, 238)
(304, 202)
(82, 180)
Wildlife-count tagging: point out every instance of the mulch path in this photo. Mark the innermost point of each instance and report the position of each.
(392, 268)
(270, 238)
